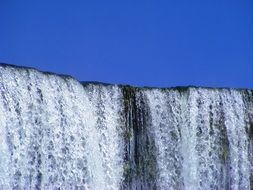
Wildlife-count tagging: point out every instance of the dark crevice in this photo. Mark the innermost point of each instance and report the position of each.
(140, 162)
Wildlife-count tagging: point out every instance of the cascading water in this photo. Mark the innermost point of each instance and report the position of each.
(58, 133)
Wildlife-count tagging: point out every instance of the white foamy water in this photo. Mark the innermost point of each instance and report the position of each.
(202, 138)
(54, 133)
(57, 133)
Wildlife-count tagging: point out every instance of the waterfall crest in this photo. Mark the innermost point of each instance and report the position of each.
(58, 133)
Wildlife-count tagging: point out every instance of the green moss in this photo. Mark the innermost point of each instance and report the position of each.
(224, 151)
(150, 164)
(250, 131)
(128, 135)
(127, 171)
(181, 89)
(224, 154)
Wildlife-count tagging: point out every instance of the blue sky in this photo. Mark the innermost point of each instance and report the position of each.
(144, 43)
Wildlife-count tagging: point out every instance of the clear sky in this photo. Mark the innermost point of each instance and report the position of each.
(142, 42)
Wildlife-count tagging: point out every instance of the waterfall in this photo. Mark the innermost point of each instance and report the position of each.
(59, 133)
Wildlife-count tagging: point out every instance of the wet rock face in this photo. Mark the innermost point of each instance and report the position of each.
(56, 132)
(140, 161)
